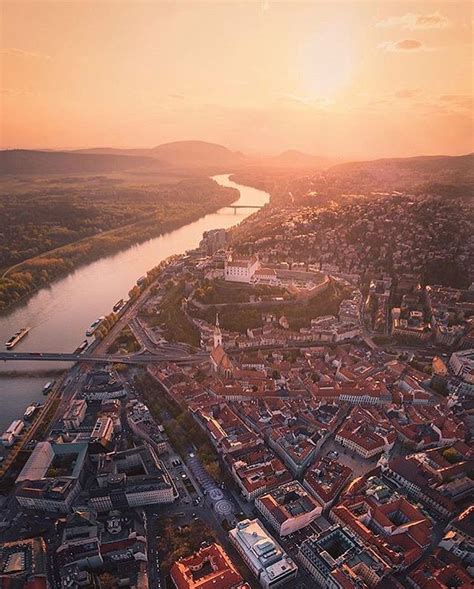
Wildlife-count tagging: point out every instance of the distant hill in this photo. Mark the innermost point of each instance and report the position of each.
(145, 152)
(181, 154)
(24, 161)
(292, 158)
(197, 154)
(204, 154)
(451, 175)
(425, 164)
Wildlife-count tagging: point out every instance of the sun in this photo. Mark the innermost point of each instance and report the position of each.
(327, 61)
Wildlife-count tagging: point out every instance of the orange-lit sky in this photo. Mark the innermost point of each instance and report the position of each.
(353, 78)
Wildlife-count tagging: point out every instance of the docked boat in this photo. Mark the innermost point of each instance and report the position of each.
(118, 305)
(19, 335)
(48, 387)
(82, 347)
(30, 411)
(11, 434)
(94, 326)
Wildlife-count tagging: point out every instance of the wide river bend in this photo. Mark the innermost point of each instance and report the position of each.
(60, 314)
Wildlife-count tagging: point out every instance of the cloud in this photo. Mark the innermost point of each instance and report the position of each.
(404, 45)
(416, 22)
(15, 52)
(462, 101)
(303, 101)
(15, 92)
(407, 93)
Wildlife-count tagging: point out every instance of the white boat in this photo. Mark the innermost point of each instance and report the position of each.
(19, 335)
(30, 411)
(11, 434)
(48, 387)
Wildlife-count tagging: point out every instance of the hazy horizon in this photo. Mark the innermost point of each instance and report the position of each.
(267, 154)
(345, 80)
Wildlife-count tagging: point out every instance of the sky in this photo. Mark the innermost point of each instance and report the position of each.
(339, 78)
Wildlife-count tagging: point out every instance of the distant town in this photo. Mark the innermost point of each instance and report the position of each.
(289, 404)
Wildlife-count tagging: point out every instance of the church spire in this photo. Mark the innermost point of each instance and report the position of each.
(217, 333)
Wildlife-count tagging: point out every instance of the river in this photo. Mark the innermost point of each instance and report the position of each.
(60, 314)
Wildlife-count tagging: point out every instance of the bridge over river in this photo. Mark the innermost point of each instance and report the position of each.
(104, 359)
(235, 207)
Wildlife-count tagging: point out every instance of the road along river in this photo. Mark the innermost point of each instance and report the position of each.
(60, 314)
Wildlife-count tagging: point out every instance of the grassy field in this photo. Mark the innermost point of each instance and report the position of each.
(218, 291)
(298, 314)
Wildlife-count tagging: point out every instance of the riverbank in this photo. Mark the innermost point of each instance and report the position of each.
(40, 271)
(60, 313)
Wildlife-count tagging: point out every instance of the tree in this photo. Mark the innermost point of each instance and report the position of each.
(451, 455)
(213, 470)
(108, 581)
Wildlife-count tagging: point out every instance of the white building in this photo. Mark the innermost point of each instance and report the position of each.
(265, 558)
(462, 364)
(266, 276)
(138, 495)
(241, 269)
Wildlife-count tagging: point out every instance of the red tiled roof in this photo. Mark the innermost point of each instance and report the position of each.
(209, 568)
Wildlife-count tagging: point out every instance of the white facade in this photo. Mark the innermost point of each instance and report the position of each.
(105, 395)
(462, 364)
(57, 499)
(265, 276)
(136, 498)
(241, 269)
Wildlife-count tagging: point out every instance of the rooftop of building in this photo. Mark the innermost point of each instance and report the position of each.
(261, 548)
(326, 478)
(287, 501)
(336, 552)
(50, 460)
(208, 568)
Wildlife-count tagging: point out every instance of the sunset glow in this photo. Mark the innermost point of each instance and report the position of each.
(355, 79)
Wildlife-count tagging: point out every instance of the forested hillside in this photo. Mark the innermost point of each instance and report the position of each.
(25, 161)
(87, 219)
